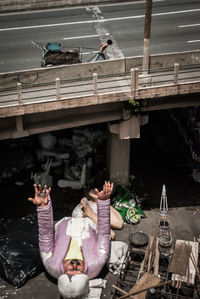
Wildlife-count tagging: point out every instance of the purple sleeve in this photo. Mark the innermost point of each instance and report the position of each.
(46, 228)
(103, 243)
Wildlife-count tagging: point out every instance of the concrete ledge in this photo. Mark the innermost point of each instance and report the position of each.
(64, 72)
(82, 70)
(165, 60)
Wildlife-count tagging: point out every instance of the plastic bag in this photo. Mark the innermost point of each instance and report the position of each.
(125, 204)
(19, 250)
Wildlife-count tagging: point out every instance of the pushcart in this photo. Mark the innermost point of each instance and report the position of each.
(54, 54)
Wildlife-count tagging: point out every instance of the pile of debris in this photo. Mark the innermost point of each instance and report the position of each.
(71, 158)
(159, 269)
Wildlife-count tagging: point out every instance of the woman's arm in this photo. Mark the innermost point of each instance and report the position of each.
(103, 210)
(45, 218)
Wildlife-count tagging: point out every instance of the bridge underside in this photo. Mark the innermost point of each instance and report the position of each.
(21, 126)
(26, 124)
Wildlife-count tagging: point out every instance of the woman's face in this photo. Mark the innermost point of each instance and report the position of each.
(73, 267)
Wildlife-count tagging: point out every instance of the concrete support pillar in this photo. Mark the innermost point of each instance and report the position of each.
(118, 159)
(20, 132)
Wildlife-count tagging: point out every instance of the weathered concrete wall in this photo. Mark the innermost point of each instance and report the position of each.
(165, 60)
(65, 72)
(46, 75)
(17, 5)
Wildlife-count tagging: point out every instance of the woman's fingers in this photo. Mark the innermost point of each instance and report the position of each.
(111, 187)
(30, 199)
(36, 189)
(40, 188)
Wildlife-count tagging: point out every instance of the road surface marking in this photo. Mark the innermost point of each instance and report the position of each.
(99, 20)
(189, 25)
(114, 50)
(78, 37)
(194, 41)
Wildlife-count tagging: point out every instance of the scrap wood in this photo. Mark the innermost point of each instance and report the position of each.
(136, 293)
(122, 291)
(146, 281)
(191, 271)
(156, 260)
(141, 271)
(146, 257)
(194, 262)
(151, 257)
(180, 259)
(152, 254)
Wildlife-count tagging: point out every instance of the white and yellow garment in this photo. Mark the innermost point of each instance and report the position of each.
(77, 229)
(74, 251)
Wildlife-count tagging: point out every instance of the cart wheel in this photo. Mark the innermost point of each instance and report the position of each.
(42, 63)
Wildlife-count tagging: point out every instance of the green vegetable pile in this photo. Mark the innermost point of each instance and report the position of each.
(125, 204)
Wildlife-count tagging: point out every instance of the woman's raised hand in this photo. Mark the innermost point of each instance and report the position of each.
(41, 197)
(106, 192)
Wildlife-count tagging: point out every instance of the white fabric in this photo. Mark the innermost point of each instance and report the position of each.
(78, 228)
(117, 256)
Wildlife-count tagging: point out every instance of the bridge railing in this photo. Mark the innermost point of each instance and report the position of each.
(25, 94)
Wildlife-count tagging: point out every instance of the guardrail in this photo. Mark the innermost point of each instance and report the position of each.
(133, 81)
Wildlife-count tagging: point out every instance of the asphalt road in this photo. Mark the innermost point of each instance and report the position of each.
(175, 27)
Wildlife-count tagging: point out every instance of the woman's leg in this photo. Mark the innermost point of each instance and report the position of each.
(89, 212)
(116, 220)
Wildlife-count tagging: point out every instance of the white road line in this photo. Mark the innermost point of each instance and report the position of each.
(189, 25)
(78, 37)
(74, 7)
(114, 51)
(194, 41)
(99, 20)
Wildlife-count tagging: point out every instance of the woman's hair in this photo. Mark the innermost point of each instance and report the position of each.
(87, 193)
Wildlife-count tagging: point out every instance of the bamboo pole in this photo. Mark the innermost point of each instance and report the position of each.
(120, 290)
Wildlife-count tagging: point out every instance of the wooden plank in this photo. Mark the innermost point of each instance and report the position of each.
(192, 270)
(156, 261)
(146, 281)
(180, 258)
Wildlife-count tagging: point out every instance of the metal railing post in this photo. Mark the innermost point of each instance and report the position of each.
(19, 93)
(176, 71)
(57, 88)
(95, 84)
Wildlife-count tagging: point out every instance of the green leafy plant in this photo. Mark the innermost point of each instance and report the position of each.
(133, 106)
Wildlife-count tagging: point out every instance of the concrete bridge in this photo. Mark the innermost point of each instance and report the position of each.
(56, 98)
